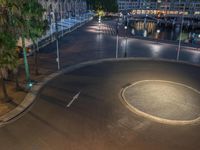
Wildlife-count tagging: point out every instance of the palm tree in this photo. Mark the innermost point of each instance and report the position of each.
(32, 26)
(27, 12)
(22, 27)
(37, 27)
(8, 55)
(13, 15)
(8, 58)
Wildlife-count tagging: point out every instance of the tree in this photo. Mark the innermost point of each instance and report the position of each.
(20, 27)
(106, 5)
(100, 13)
(8, 55)
(37, 27)
(110, 5)
(31, 26)
(8, 58)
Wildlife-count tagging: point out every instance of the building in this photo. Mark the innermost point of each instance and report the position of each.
(160, 6)
(63, 8)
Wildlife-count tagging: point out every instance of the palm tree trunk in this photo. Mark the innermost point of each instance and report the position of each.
(6, 97)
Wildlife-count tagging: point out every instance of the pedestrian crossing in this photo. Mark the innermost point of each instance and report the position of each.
(107, 29)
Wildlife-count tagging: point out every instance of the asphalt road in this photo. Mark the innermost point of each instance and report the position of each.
(98, 119)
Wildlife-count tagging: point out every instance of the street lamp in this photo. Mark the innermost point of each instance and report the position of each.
(61, 18)
(57, 44)
(99, 19)
(51, 17)
(158, 32)
(99, 23)
(117, 42)
(179, 43)
(125, 53)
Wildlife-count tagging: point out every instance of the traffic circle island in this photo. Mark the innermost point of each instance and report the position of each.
(163, 101)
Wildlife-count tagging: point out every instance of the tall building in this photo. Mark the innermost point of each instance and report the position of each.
(160, 6)
(63, 8)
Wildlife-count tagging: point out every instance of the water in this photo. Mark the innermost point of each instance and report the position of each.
(149, 29)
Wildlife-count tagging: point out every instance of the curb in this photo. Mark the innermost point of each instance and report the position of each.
(29, 100)
(135, 110)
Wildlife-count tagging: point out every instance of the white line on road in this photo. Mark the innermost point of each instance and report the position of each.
(73, 99)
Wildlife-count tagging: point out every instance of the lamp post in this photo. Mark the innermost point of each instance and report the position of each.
(99, 21)
(199, 38)
(179, 43)
(57, 44)
(51, 16)
(117, 42)
(125, 53)
(61, 17)
(158, 32)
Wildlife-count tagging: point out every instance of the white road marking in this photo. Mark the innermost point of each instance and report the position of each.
(73, 99)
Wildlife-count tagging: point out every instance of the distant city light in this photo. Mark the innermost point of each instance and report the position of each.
(145, 33)
(158, 31)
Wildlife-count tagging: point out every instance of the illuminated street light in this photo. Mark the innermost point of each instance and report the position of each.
(158, 32)
(125, 53)
(179, 43)
(145, 33)
(117, 39)
(57, 44)
(99, 22)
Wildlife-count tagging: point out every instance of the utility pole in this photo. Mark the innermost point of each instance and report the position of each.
(180, 38)
(61, 15)
(117, 42)
(126, 38)
(57, 43)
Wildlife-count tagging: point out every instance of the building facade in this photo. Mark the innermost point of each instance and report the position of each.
(63, 8)
(160, 6)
